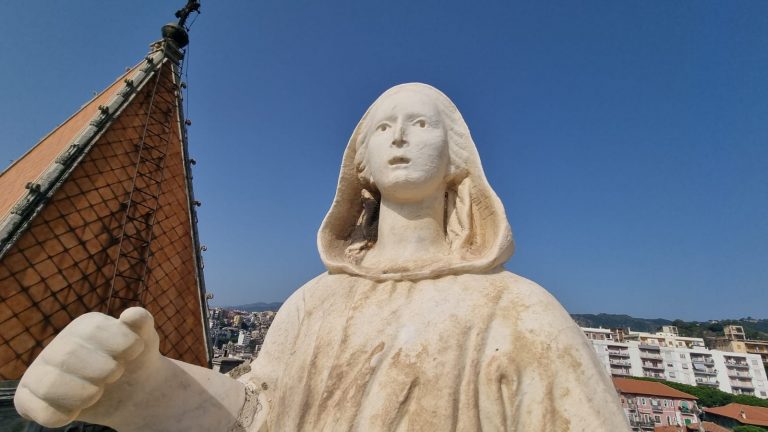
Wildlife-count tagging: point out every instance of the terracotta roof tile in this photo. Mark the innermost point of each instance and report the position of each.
(745, 414)
(712, 427)
(670, 429)
(33, 163)
(631, 386)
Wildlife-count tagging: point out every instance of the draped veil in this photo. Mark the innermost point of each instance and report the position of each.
(475, 227)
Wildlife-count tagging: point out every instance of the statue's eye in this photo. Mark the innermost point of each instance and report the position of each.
(421, 123)
(382, 127)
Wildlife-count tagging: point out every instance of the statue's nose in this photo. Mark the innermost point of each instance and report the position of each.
(398, 139)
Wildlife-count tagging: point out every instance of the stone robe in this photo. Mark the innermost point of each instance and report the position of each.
(490, 352)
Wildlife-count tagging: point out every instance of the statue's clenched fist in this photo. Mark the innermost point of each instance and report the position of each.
(93, 356)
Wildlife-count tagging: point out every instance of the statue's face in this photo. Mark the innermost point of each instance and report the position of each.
(407, 151)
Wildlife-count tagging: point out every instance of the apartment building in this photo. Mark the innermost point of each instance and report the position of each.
(735, 340)
(667, 337)
(737, 373)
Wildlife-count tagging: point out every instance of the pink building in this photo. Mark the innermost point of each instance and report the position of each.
(649, 405)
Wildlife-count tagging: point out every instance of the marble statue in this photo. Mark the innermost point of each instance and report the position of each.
(415, 327)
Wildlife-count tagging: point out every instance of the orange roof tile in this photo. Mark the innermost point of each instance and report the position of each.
(744, 414)
(33, 163)
(712, 427)
(626, 385)
(670, 429)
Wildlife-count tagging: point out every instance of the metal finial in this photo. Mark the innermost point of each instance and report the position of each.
(177, 32)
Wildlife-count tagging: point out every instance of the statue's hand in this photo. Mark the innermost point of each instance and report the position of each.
(70, 377)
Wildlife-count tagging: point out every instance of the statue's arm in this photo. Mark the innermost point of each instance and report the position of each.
(171, 396)
(109, 371)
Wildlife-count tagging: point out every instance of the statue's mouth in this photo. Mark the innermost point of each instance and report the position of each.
(399, 160)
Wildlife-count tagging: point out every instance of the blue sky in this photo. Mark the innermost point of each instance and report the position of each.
(628, 140)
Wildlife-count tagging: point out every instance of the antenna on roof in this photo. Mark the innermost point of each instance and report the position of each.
(177, 32)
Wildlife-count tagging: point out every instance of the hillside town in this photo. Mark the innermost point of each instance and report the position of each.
(237, 336)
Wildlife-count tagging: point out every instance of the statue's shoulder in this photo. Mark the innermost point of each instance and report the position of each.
(529, 302)
(320, 288)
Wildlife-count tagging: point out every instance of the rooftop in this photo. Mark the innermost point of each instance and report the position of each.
(712, 427)
(745, 414)
(650, 388)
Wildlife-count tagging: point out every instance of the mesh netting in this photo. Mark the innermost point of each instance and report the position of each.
(63, 265)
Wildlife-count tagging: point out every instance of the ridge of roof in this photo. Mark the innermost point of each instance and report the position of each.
(650, 388)
(19, 208)
(752, 415)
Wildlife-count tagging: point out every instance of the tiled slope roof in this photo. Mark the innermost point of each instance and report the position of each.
(712, 427)
(29, 182)
(626, 385)
(745, 414)
(33, 163)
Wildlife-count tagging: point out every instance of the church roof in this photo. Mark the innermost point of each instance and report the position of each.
(100, 216)
(30, 180)
(39, 158)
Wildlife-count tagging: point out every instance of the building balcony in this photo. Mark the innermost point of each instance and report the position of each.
(618, 362)
(641, 423)
(654, 366)
(739, 365)
(653, 375)
(650, 347)
(706, 382)
(742, 385)
(620, 372)
(650, 355)
(618, 353)
(710, 372)
(703, 360)
(738, 374)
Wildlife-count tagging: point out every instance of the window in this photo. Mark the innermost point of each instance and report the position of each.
(682, 356)
(669, 365)
(671, 374)
(656, 419)
(642, 401)
(665, 402)
(669, 420)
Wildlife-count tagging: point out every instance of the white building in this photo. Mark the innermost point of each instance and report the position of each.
(668, 337)
(244, 338)
(737, 373)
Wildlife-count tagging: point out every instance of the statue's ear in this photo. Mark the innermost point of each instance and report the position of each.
(458, 223)
(366, 229)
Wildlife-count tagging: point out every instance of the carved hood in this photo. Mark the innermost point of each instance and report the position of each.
(476, 226)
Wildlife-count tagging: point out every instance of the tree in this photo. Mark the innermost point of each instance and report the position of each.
(749, 428)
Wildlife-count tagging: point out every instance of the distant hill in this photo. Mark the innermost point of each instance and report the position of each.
(620, 321)
(256, 307)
